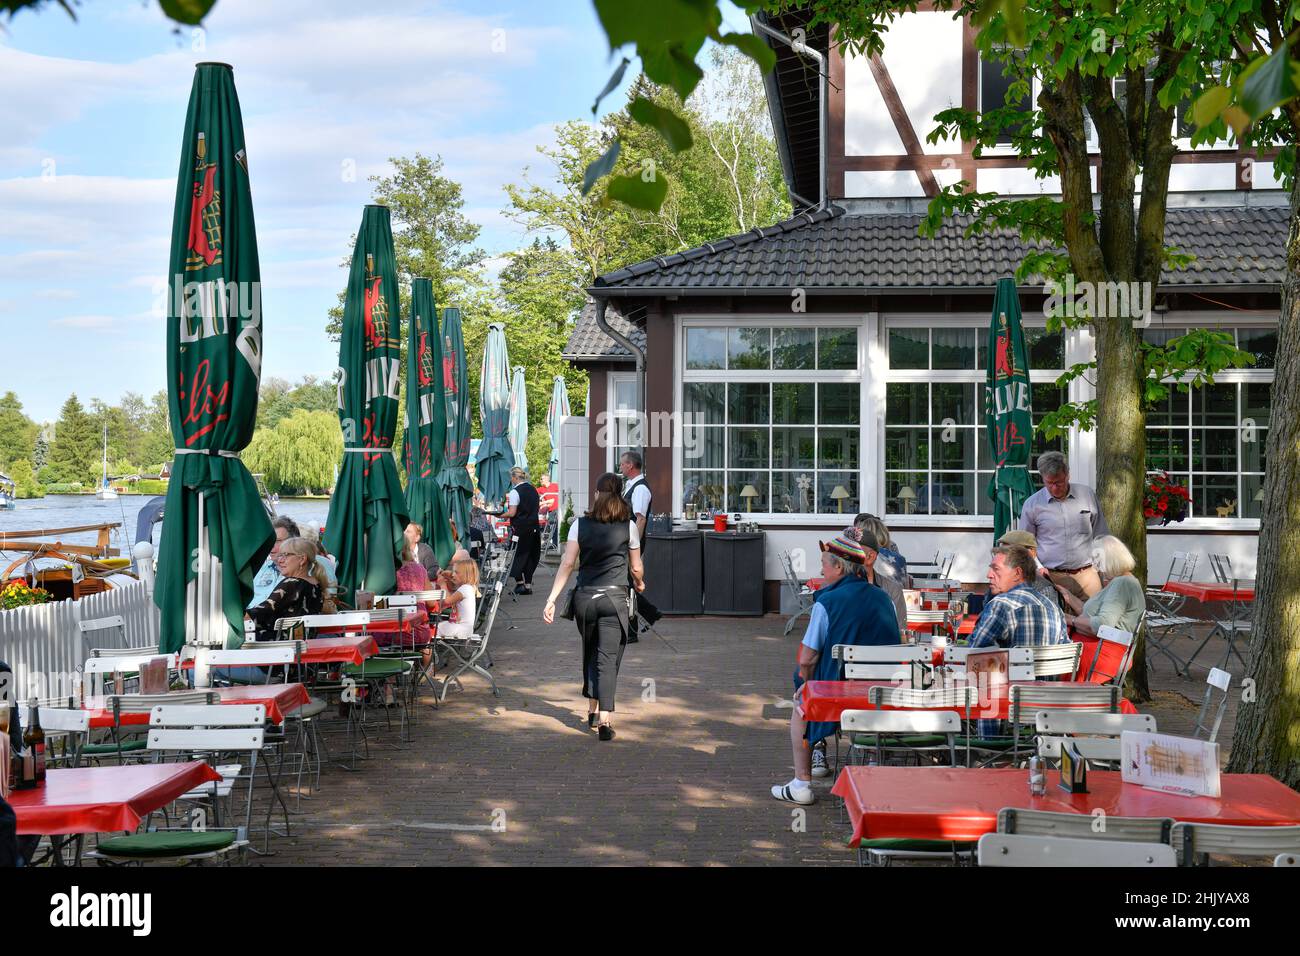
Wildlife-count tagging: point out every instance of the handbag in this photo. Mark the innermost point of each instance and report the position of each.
(566, 605)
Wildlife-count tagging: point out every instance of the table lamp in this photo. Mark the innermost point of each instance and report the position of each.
(838, 494)
(749, 493)
(908, 498)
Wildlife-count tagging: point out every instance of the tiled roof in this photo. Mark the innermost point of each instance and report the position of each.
(832, 251)
(587, 341)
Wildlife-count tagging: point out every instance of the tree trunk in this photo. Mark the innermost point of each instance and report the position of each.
(1266, 739)
(1121, 454)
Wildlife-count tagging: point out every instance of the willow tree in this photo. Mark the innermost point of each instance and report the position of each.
(301, 453)
(1086, 59)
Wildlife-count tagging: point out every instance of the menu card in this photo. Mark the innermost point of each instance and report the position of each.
(1171, 764)
(989, 670)
(153, 676)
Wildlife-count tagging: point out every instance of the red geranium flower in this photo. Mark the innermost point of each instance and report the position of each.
(1149, 512)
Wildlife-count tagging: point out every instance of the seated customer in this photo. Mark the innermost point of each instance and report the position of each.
(268, 576)
(412, 577)
(298, 593)
(1042, 582)
(1121, 600)
(461, 598)
(847, 609)
(891, 561)
(879, 575)
(1015, 615)
(326, 566)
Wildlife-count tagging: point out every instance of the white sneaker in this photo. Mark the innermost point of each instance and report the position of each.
(789, 794)
(819, 768)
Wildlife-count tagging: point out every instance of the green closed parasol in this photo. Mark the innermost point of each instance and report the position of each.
(495, 457)
(1008, 410)
(454, 480)
(556, 412)
(367, 514)
(426, 423)
(519, 418)
(216, 532)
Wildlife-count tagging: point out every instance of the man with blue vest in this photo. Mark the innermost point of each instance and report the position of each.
(848, 609)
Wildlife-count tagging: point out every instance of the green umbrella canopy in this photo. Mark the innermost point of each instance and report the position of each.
(519, 418)
(556, 412)
(495, 457)
(214, 363)
(426, 423)
(368, 509)
(457, 486)
(1008, 409)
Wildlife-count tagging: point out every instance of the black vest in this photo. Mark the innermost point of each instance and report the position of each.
(602, 551)
(525, 519)
(632, 486)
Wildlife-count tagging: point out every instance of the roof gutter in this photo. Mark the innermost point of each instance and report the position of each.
(637, 353)
(802, 49)
(757, 291)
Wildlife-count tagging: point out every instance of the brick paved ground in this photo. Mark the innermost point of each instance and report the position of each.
(700, 740)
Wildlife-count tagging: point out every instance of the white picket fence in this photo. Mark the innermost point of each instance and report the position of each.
(45, 647)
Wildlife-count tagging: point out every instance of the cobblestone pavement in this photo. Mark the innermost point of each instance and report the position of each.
(702, 733)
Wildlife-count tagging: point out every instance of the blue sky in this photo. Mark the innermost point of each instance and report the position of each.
(90, 128)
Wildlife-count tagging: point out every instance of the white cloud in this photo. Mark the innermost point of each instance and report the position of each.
(85, 321)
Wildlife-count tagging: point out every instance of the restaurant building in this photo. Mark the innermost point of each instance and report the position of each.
(834, 362)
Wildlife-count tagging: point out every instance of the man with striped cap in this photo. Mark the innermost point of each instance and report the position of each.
(848, 609)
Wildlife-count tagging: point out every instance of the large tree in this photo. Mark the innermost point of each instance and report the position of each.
(300, 454)
(75, 454)
(17, 431)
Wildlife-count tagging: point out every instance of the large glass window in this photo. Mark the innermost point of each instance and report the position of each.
(937, 456)
(624, 429)
(1212, 439)
(785, 442)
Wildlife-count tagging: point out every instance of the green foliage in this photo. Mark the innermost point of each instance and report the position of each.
(299, 454)
(567, 520)
(17, 432)
(538, 451)
(188, 12)
(24, 479)
(279, 399)
(65, 488)
(75, 454)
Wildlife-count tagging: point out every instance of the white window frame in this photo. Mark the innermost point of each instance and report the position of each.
(862, 322)
(1262, 319)
(612, 380)
(884, 375)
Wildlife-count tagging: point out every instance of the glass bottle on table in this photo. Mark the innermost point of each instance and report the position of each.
(34, 741)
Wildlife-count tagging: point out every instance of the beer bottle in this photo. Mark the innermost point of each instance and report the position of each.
(34, 742)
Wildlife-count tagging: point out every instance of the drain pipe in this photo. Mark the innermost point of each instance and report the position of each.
(639, 355)
(802, 49)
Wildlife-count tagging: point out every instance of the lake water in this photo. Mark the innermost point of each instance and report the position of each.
(70, 511)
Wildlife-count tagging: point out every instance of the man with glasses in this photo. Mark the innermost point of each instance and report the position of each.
(268, 576)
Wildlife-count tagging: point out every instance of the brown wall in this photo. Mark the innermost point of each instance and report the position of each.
(598, 380)
(660, 436)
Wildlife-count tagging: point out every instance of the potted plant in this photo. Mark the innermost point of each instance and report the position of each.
(17, 593)
(1165, 501)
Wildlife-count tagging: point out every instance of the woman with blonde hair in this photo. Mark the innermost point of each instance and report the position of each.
(299, 593)
(463, 599)
(1121, 600)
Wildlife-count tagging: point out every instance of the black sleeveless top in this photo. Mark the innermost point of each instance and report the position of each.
(525, 518)
(602, 553)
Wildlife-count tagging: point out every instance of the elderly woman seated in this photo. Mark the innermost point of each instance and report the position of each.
(1121, 600)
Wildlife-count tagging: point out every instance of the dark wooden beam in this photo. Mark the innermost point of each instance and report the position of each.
(903, 124)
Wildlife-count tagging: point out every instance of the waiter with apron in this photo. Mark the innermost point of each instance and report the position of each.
(636, 492)
(522, 504)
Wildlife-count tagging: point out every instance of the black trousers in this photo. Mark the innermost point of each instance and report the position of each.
(527, 554)
(602, 625)
(644, 608)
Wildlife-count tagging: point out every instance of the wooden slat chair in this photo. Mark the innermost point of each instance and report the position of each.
(1196, 842)
(963, 698)
(1113, 641)
(1084, 826)
(130, 743)
(466, 654)
(801, 595)
(64, 723)
(185, 731)
(1207, 728)
(124, 661)
(885, 731)
(1029, 700)
(879, 662)
(1096, 735)
(1056, 660)
(1020, 661)
(1008, 849)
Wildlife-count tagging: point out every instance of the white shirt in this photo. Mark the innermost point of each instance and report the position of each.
(641, 497)
(512, 499)
(634, 539)
(468, 605)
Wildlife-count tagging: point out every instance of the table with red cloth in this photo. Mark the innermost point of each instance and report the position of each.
(825, 700)
(383, 632)
(345, 649)
(278, 699)
(1207, 592)
(957, 803)
(104, 799)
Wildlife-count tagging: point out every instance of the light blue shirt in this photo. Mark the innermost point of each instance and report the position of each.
(815, 637)
(265, 581)
(327, 568)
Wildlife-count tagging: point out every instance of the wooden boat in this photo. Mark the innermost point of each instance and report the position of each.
(8, 493)
(67, 571)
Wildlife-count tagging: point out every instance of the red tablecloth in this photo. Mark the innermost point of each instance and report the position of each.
(104, 799)
(279, 699)
(350, 649)
(947, 803)
(381, 627)
(825, 700)
(1207, 591)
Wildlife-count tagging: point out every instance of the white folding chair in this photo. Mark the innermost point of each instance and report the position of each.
(1196, 842)
(897, 726)
(880, 662)
(1091, 723)
(1286, 859)
(1004, 849)
(1218, 680)
(1113, 635)
(1028, 700)
(1020, 661)
(468, 652)
(800, 594)
(1084, 826)
(1056, 660)
(65, 724)
(129, 739)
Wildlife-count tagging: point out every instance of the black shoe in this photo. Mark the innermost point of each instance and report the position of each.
(606, 732)
(523, 589)
(634, 639)
(591, 719)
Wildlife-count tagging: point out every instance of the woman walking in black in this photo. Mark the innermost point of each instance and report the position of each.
(604, 545)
